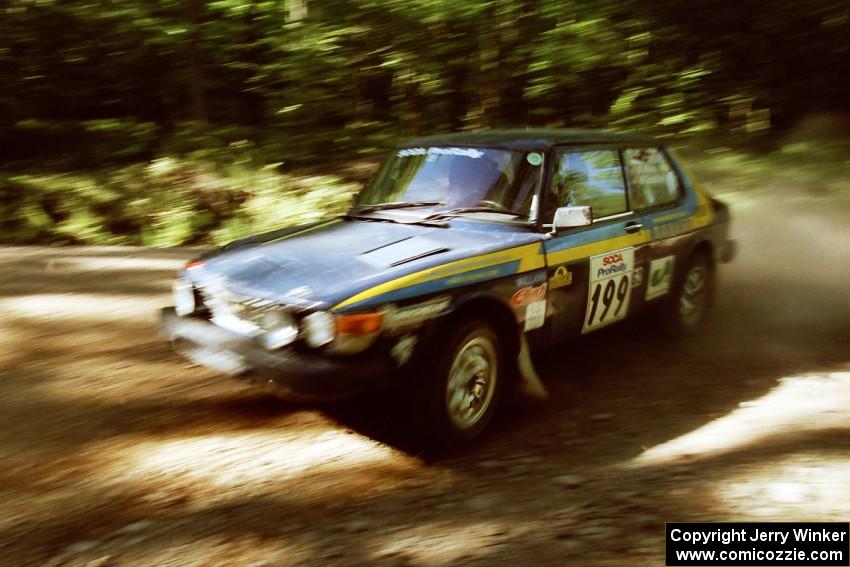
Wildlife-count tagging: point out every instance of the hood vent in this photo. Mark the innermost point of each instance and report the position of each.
(403, 251)
(420, 256)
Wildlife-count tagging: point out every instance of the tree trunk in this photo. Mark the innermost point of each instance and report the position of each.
(195, 73)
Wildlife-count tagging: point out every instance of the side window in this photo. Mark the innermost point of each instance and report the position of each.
(591, 178)
(652, 181)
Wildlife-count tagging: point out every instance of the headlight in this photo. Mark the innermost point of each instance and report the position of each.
(281, 329)
(184, 297)
(319, 328)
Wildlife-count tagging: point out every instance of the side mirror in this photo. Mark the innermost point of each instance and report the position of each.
(570, 217)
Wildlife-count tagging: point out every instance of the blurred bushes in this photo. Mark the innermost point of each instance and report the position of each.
(167, 202)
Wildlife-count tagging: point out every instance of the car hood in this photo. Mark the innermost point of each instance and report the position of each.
(319, 265)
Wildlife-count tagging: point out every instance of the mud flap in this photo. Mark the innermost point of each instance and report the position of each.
(530, 384)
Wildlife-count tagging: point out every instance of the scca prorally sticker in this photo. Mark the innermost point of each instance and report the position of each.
(609, 288)
(535, 315)
(660, 277)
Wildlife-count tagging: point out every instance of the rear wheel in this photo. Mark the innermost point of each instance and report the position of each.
(686, 309)
(458, 387)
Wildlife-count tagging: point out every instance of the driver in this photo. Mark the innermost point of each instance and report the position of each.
(470, 180)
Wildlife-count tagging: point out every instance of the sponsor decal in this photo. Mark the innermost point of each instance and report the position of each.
(465, 152)
(660, 277)
(562, 277)
(473, 277)
(671, 229)
(535, 314)
(403, 349)
(675, 215)
(527, 295)
(396, 317)
(609, 288)
(531, 279)
(534, 158)
(637, 276)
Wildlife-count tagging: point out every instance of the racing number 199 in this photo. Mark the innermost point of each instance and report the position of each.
(611, 286)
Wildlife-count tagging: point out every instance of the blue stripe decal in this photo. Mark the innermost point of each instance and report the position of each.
(442, 284)
(594, 234)
(689, 207)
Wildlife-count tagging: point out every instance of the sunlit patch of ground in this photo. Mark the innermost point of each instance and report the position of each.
(797, 405)
(781, 456)
(236, 465)
(804, 486)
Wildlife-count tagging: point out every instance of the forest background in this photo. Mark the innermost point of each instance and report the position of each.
(195, 122)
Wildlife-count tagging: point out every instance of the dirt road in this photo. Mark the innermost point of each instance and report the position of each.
(115, 452)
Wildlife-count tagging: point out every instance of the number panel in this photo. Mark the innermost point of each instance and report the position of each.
(609, 288)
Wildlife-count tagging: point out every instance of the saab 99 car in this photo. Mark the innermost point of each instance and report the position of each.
(464, 253)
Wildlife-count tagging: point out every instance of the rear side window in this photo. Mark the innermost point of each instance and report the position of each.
(652, 181)
(591, 178)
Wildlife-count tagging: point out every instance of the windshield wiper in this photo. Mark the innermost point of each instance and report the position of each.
(462, 210)
(395, 205)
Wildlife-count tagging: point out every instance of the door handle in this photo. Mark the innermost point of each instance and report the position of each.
(632, 227)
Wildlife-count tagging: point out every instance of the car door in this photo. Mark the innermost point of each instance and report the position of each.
(593, 269)
(657, 192)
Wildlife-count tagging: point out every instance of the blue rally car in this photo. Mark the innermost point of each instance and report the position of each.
(464, 252)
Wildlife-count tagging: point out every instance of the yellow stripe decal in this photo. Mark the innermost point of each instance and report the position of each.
(584, 251)
(530, 257)
(704, 215)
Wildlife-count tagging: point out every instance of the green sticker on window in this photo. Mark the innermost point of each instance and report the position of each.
(534, 158)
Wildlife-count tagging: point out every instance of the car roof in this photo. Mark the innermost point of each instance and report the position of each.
(539, 138)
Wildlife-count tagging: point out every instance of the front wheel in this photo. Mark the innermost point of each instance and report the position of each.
(458, 389)
(686, 310)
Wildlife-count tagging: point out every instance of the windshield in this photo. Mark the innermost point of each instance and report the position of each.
(453, 178)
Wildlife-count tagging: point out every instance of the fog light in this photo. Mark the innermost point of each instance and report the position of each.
(184, 297)
(319, 328)
(281, 329)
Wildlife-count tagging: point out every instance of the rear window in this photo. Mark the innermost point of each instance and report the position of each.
(652, 181)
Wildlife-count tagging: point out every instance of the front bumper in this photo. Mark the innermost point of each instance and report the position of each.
(285, 372)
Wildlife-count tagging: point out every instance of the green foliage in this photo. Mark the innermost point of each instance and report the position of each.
(168, 202)
(225, 87)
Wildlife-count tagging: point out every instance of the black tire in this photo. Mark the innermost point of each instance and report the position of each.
(685, 312)
(444, 393)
